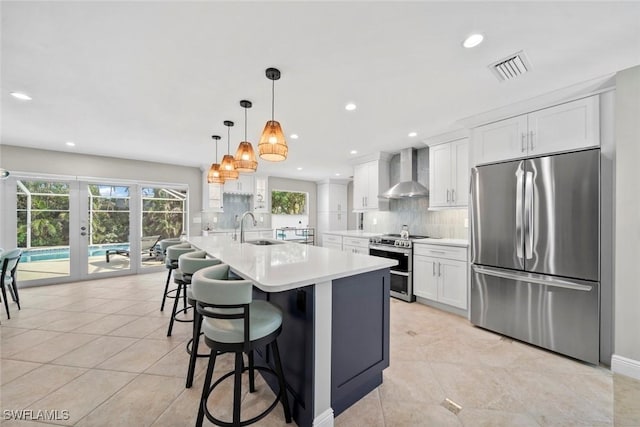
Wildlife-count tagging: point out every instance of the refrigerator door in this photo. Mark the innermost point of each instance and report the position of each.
(558, 314)
(497, 197)
(562, 215)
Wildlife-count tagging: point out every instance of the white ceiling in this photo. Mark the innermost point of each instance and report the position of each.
(153, 80)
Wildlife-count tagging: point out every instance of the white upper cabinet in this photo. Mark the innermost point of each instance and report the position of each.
(214, 199)
(242, 185)
(565, 127)
(369, 180)
(449, 174)
(332, 197)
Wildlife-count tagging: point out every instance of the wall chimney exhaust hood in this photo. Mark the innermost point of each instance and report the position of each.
(408, 185)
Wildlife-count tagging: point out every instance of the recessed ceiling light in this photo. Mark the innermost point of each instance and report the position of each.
(22, 96)
(412, 134)
(294, 136)
(473, 40)
(299, 168)
(353, 151)
(70, 143)
(350, 106)
(337, 174)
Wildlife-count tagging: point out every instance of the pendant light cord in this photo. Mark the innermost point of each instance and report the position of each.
(273, 97)
(228, 138)
(245, 123)
(216, 151)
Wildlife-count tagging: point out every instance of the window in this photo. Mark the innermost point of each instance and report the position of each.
(163, 211)
(288, 203)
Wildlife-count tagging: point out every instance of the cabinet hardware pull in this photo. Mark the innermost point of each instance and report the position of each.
(436, 252)
(434, 269)
(453, 195)
(447, 196)
(439, 274)
(523, 145)
(531, 139)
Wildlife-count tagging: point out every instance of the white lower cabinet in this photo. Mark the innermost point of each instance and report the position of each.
(355, 245)
(440, 274)
(332, 241)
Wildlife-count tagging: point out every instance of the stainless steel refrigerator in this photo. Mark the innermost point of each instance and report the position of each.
(535, 251)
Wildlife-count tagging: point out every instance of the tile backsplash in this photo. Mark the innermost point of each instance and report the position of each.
(448, 223)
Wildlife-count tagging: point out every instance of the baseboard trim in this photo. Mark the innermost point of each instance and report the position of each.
(625, 366)
(325, 419)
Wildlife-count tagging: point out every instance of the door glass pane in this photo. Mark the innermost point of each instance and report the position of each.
(43, 229)
(108, 226)
(163, 216)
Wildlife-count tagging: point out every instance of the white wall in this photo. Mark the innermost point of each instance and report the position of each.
(627, 222)
(32, 160)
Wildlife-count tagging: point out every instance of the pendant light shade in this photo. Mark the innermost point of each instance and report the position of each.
(214, 177)
(245, 160)
(227, 168)
(273, 145)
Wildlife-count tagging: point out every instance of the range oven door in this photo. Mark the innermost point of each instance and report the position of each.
(403, 256)
(401, 280)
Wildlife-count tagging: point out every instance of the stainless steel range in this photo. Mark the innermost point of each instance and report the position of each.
(394, 247)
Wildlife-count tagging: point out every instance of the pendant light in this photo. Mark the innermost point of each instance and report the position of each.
(214, 177)
(245, 160)
(227, 168)
(272, 145)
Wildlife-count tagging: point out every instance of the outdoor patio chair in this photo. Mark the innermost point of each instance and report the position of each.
(147, 246)
(9, 261)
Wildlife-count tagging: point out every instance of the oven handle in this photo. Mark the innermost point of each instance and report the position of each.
(400, 273)
(391, 249)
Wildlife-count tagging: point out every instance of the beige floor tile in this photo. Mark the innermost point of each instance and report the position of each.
(115, 305)
(25, 423)
(34, 385)
(85, 393)
(138, 357)
(24, 341)
(411, 381)
(95, 352)
(367, 411)
(106, 324)
(410, 414)
(12, 369)
(35, 318)
(139, 328)
(181, 331)
(87, 304)
(54, 347)
(7, 332)
(75, 321)
(627, 401)
(175, 363)
(490, 418)
(478, 387)
(138, 404)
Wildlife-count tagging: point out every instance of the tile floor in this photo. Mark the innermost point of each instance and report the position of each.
(99, 350)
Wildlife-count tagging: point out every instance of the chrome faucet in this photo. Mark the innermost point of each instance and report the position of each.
(242, 224)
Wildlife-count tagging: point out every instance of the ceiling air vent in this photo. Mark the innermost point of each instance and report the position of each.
(511, 67)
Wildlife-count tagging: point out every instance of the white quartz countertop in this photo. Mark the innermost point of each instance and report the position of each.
(352, 233)
(445, 242)
(281, 267)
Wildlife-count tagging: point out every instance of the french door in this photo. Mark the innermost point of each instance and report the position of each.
(72, 229)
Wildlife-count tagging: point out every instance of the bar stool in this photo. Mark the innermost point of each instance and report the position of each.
(233, 322)
(164, 244)
(171, 262)
(9, 261)
(188, 264)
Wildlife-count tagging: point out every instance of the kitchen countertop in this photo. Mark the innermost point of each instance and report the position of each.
(352, 233)
(447, 242)
(230, 230)
(286, 266)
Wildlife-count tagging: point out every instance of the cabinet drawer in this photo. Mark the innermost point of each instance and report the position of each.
(440, 251)
(330, 238)
(351, 241)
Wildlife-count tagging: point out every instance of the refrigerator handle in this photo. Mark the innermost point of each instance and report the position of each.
(472, 211)
(538, 279)
(528, 215)
(519, 234)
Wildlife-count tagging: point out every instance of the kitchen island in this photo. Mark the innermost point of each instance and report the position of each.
(335, 333)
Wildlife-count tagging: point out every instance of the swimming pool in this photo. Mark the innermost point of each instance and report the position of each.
(48, 254)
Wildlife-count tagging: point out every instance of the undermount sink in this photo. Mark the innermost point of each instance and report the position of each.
(263, 242)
